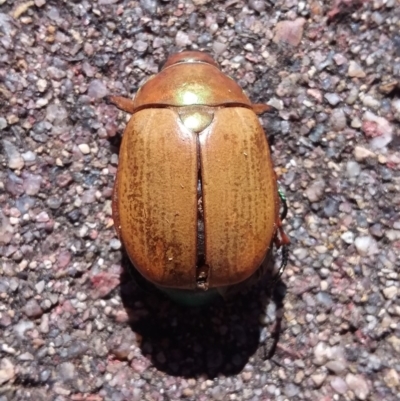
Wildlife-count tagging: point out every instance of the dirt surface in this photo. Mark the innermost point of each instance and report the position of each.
(75, 326)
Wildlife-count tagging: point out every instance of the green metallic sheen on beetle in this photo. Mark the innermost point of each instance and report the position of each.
(195, 202)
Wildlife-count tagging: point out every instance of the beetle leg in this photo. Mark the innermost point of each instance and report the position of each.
(283, 240)
(123, 103)
(202, 274)
(260, 108)
(285, 256)
(282, 197)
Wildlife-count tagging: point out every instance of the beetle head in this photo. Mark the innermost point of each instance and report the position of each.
(189, 57)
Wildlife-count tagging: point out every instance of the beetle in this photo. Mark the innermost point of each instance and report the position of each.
(196, 202)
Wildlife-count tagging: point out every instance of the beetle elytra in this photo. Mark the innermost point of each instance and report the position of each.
(196, 202)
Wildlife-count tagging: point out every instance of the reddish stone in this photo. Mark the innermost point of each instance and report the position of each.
(103, 284)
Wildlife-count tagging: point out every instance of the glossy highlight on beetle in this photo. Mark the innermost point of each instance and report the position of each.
(195, 202)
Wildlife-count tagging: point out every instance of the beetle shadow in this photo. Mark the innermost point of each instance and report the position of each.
(194, 341)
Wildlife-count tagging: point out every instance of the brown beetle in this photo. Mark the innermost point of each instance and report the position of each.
(195, 202)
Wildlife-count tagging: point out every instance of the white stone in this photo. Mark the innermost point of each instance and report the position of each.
(365, 245)
(353, 169)
(41, 85)
(84, 148)
(347, 237)
(361, 153)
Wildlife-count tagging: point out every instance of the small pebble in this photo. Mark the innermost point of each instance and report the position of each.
(361, 153)
(29, 157)
(201, 2)
(22, 326)
(392, 235)
(347, 237)
(257, 5)
(140, 46)
(332, 98)
(290, 32)
(352, 96)
(336, 366)
(182, 39)
(84, 148)
(26, 356)
(319, 378)
(32, 183)
(56, 73)
(7, 371)
(288, 85)
(40, 286)
(3, 123)
(32, 309)
(324, 299)
(317, 133)
(41, 85)
(291, 390)
(390, 292)
(338, 385)
(321, 353)
(330, 207)
(356, 123)
(315, 191)
(56, 114)
(339, 59)
(89, 196)
(358, 385)
(115, 244)
(355, 71)
(276, 103)
(338, 120)
(22, 8)
(377, 18)
(371, 102)
(365, 245)
(66, 371)
(15, 160)
(149, 5)
(391, 378)
(353, 169)
(54, 202)
(219, 47)
(395, 107)
(378, 129)
(97, 89)
(376, 230)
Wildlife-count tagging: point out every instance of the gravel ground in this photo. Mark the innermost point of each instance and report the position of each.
(76, 327)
